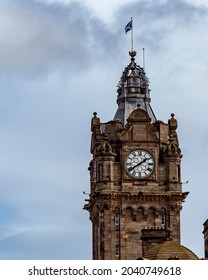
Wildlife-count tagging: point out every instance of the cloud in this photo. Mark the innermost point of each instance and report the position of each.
(38, 38)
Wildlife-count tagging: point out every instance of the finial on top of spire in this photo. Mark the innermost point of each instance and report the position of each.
(132, 54)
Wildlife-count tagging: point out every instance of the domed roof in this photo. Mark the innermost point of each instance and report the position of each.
(169, 250)
(133, 89)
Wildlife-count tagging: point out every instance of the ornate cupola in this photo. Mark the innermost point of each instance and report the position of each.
(133, 90)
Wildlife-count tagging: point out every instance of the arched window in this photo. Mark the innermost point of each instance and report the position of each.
(129, 214)
(163, 216)
(100, 172)
(179, 173)
(140, 214)
(117, 218)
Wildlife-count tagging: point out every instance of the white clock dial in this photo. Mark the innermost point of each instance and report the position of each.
(139, 164)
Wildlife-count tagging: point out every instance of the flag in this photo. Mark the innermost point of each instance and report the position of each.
(128, 27)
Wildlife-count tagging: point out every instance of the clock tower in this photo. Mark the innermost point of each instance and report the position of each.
(135, 175)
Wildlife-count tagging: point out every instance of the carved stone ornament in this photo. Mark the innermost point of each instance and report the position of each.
(172, 147)
(105, 147)
(139, 115)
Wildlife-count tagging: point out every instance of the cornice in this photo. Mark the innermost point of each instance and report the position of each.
(121, 196)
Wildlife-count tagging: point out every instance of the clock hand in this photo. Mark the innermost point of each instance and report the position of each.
(132, 167)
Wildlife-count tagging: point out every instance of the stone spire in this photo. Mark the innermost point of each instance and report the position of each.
(133, 91)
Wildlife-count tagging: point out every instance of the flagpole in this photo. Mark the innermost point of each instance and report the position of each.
(132, 36)
(143, 59)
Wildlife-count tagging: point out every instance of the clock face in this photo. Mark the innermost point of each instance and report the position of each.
(139, 164)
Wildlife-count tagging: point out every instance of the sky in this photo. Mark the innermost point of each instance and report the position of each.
(59, 62)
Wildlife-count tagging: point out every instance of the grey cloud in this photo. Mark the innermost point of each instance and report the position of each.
(38, 38)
